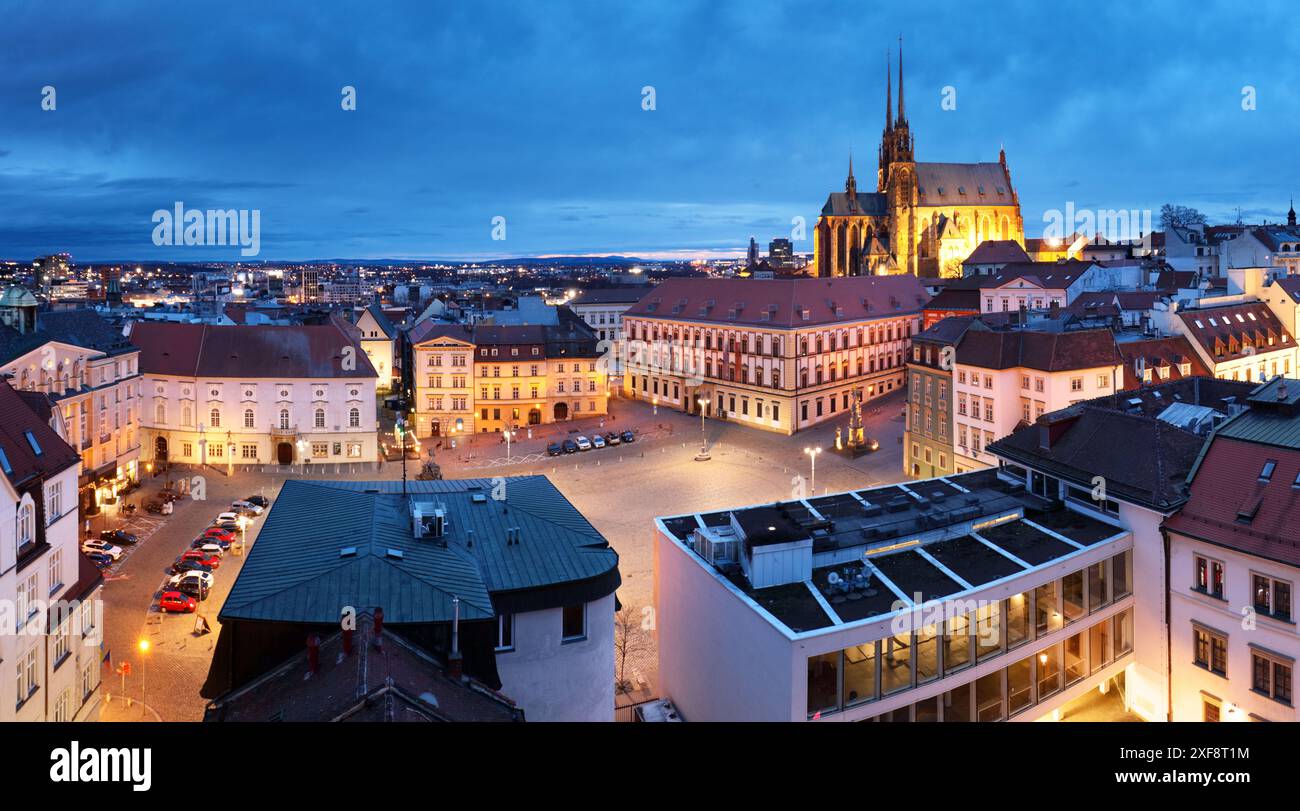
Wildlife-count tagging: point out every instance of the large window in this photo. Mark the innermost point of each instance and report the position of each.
(1047, 609)
(1076, 659)
(927, 654)
(1098, 585)
(988, 631)
(1099, 645)
(1072, 595)
(859, 674)
(988, 697)
(823, 683)
(956, 703)
(1272, 597)
(1017, 612)
(1049, 672)
(957, 642)
(1121, 579)
(1019, 685)
(896, 663)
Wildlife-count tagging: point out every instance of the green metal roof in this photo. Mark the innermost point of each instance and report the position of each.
(296, 571)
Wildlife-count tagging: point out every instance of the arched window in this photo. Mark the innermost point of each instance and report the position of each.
(284, 419)
(160, 413)
(26, 526)
(187, 416)
(354, 415)
(320, 418)
(248, 418)
(215, 418)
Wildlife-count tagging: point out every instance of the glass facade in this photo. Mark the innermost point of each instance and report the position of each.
(864, 673)
(1018, 687)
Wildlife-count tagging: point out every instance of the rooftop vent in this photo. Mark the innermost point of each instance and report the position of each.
(348, 552)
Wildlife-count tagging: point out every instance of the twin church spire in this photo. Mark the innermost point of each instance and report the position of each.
(896, 142)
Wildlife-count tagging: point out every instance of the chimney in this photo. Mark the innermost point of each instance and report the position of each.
(455, 663)
(313, 653)
(1281, 390)
(1050, 429)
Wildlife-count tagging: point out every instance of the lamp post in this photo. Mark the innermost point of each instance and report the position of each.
(812, 454)
(399, 430)
(143, 645)
(509, 435)
(655, 403)
(703, 455)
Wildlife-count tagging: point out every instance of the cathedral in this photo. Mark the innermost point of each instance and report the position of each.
(923, 218)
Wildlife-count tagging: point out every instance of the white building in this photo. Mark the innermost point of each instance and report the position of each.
(1006, 378)
(602, 310)
(378, 336)
(255, 395)
(53, 623)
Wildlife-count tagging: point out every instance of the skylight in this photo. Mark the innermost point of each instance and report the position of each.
(4, 462)
(31, 440)
(1267, 472)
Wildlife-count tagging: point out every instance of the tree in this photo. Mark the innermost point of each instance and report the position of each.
(629, 637)
(1182, 216)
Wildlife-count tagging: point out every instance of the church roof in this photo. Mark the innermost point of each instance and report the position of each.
(946, 184)
(870, 204)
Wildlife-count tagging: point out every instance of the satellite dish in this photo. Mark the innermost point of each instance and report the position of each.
(833, 578)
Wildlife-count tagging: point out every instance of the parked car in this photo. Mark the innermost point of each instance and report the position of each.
(554, 449)
(118, 536)
(100, 559)
(199, 556)
(183, 565)
(194, 588)
(213, 550)
(584, 444)
(219, 534)
(103, 547)
(612, 438)
(226, 518)
(598, 441)
(261, 501)
(205, 579)
(569, 446)
(628, 436)
(204, 540)
(175, 601)
(247, 508)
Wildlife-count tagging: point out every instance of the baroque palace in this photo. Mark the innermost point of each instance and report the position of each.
(923, 218)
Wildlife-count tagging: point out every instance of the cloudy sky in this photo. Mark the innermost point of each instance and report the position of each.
(534, 112)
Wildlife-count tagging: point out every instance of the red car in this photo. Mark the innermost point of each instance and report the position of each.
(200, 556)
(175, 601)
(218, 532)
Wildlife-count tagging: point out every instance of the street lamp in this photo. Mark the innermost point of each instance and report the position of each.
(509, 435)
(143, 645)
(812, 454)
(655, 403)
(703, 455)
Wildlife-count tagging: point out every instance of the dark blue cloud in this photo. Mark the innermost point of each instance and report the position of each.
(532, 112)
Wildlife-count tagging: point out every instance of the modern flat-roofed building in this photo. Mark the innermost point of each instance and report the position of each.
(781, 355)
(960, 598)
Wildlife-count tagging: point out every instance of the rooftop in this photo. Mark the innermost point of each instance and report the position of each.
(880, 550)
(394, 681)
(326, 544)
(282, 352)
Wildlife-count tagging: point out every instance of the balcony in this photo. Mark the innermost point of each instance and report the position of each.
(278, 431)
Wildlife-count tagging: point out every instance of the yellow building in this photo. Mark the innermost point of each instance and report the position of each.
(923, 218)
(516, 376)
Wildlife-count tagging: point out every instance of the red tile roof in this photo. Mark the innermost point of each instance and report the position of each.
(1157, 353)
(1227, 483)
(1046, 351)
(1228, 332)
(996, 252)
(261, 351)
(23, 461)
(782, 303)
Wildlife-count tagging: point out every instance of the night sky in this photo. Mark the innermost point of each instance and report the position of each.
(533, 112)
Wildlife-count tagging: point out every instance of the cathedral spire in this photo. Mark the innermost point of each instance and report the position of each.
(889, 95)
(901, 115)
(1290, 215)
(851, 185)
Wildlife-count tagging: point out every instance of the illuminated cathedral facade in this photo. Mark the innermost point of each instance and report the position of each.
(923, 218)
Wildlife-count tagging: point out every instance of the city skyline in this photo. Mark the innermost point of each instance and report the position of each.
(538, 119)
